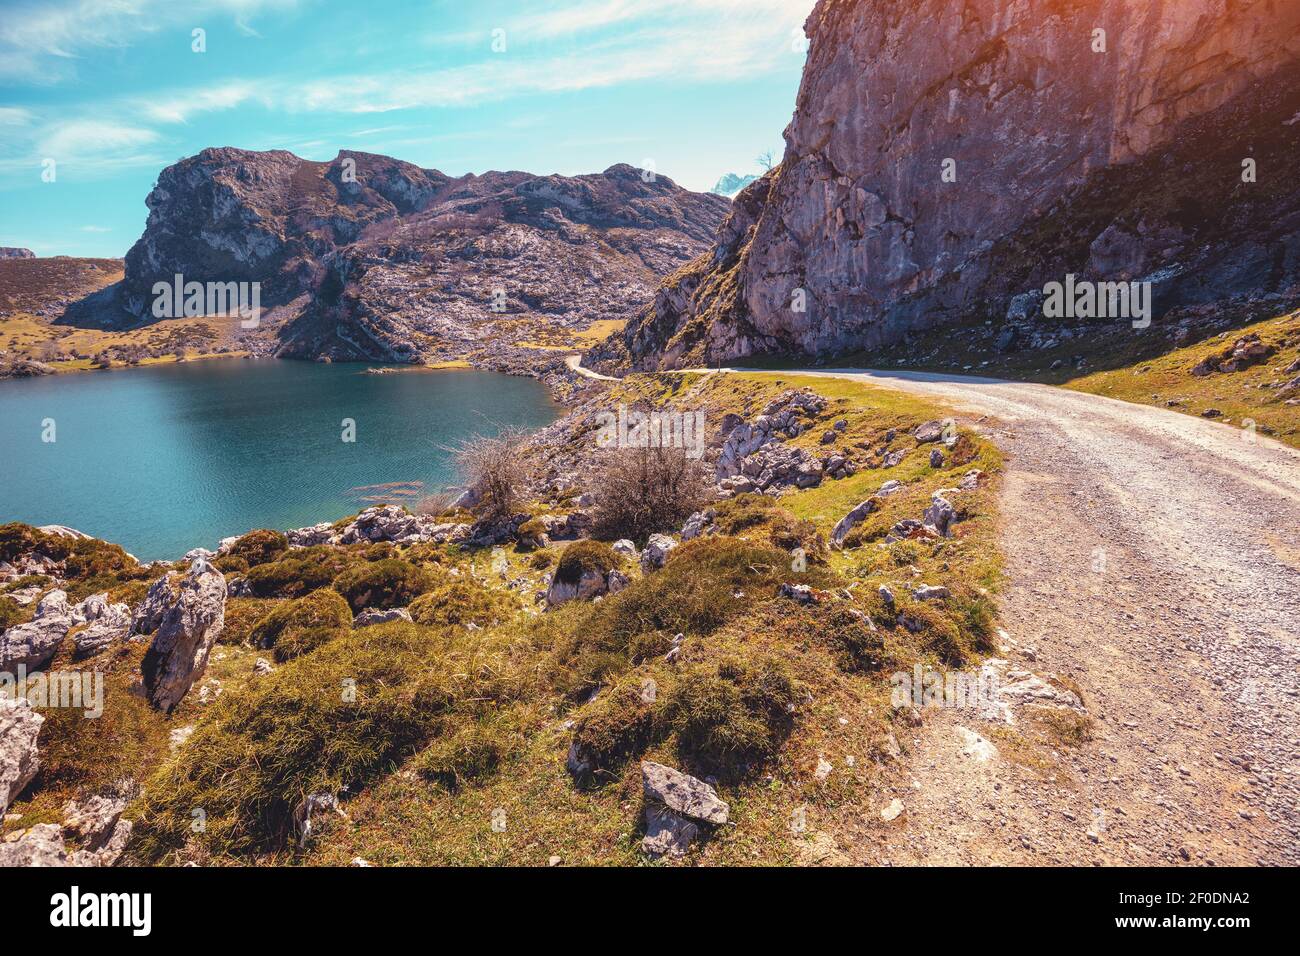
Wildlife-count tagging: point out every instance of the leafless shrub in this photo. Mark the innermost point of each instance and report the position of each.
(641, 491)
(497, 470)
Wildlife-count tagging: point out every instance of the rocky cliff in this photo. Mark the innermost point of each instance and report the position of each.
(945, 158)
(371, 258)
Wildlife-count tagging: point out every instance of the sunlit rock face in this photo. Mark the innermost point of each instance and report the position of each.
(367, 257)
(1099, 136)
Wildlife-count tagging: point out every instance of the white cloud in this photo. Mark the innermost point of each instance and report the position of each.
(96, 229)
(36, 34)
(180, 107)
(734, 47)
(14, 116)
(86, 138)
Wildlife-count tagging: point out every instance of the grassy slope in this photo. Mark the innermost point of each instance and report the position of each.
(1243, 397)
(404, 820)
(28, 286)
(511, 692)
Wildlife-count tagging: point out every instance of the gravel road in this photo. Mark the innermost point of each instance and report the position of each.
(1154, 558)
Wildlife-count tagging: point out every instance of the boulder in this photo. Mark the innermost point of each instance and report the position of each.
(189, 627)
(156, 601)
(931, 592)
(93, 820)
(41, 845)
(625, 548)
(239, 588)
(682, 793)
(936, 458)
(697, 523)
(321, 533)
(109, 851)
(940, 515)
(656, 552)
(105, 623)
(851, 520)
(666, 833)
(20, 726)
(591, 584)
(928, 432)
(24, 596)
(374, 615)
(31, 645)
(96, 824)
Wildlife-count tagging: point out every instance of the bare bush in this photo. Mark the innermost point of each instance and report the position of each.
(641, 491)
(496, 470)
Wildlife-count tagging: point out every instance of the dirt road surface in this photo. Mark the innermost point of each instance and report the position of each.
(1154, 558)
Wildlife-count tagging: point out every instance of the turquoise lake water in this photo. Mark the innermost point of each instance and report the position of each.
(171, 457)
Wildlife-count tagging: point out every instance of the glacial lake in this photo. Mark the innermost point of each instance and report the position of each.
(166, 458)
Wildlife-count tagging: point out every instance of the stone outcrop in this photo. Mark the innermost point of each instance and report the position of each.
(20, 725)
(855, 517)
(946, 161)
(391, 523)
(656, 552)
(31, 645)
(373, 615)
(105, 624)
(676, 805)
(1241, 354)
(160, 596)
(591, 584)
(755, 457)
(98, 833)
(15, 252)
(368, 258)
(683, 793)
(186, 632)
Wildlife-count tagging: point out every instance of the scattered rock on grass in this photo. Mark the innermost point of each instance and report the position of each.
(376, 615)
(656, 552)
(851, 520)
(683, 793)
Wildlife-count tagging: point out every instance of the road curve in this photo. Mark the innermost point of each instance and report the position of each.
(1154, 557)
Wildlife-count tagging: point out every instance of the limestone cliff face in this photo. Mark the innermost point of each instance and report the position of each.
(1117, 163)
(370, 258)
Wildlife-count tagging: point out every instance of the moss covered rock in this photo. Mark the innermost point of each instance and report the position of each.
(303, 624)
(389, 582)
(258, 547)
(456, 601)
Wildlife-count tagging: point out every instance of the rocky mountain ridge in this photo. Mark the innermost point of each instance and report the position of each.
(371, 258)
(943, 161)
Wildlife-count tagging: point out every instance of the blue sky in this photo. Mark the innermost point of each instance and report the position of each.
(112, 92)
